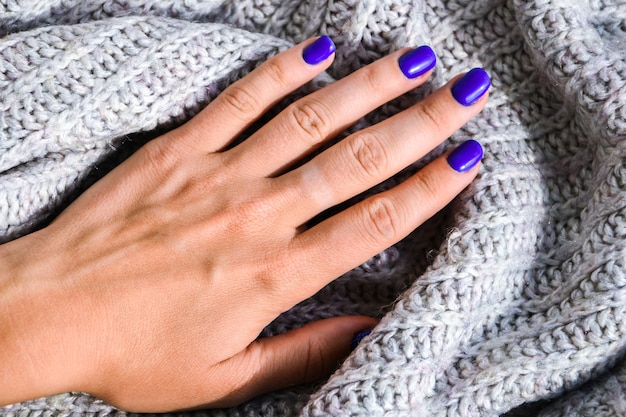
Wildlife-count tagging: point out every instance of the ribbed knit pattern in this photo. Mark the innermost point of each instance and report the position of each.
(510, 301)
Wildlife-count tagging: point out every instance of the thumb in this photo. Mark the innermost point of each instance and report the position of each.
(303, 355)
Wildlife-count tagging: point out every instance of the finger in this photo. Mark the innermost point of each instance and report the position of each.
(363, 230)
(299, 356)
(372, 155)
(307, 123)
(249, 98)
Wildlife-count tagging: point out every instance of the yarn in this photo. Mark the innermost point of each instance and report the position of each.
(510, 302)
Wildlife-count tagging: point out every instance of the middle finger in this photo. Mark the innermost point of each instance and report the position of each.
(310, 121)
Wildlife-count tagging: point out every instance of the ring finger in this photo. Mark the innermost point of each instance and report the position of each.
(372, 155)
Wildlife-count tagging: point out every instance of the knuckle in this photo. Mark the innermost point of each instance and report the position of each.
(427, 187)
(371, 79)
(308, 183)
(268, 281)
(275, 70)
(311, 119)
(369, 153)
(381, 219)
(432, 114)
(244, 214)
(240, 99)
(158, 158)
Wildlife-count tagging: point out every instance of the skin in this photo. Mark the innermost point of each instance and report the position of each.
(150, 290)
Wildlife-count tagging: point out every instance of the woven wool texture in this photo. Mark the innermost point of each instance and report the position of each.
(512, 301)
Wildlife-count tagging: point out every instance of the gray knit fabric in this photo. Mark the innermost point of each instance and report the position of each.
(512, 301)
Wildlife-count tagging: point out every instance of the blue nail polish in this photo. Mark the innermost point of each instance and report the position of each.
(358, 337)
(417, 61)
(466, 156)
(472, 86)
(318, 51)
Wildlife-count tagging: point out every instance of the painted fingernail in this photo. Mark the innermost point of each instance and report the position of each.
(417, 61)
(466, 156)
(472, 86)
(319, 50)
(358, 337)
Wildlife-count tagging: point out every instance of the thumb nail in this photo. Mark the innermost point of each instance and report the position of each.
(358, 337)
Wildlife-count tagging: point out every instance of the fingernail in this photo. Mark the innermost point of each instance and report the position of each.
(466, 156)
(417, 61)
(318, 51)
(358, 337)
(471, 87)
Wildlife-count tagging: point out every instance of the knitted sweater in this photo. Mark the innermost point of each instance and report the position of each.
(511, 301)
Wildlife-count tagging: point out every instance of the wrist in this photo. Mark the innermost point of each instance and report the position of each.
(33, 349)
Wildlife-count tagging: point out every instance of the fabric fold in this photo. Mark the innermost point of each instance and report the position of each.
(510, 302)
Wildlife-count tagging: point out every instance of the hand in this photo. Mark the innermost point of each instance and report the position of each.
(150, 289)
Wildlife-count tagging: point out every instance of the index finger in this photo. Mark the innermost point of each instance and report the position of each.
(246, 100)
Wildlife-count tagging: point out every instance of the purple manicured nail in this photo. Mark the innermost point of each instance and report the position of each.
(358, 337)
(471, 87)
(318, 51)
(417, 61)
(465, 156)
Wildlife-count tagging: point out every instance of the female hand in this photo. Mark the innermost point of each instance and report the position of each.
(150, 289)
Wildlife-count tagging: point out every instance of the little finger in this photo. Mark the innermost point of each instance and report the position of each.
(352, 236)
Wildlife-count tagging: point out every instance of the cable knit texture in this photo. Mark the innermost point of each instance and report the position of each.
(512, 301)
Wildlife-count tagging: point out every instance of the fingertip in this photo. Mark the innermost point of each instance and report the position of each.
(417, 62)
(309, 353)
(341, 334)
(358, 337)
(471, 87)
(466, 156)
(319, 50)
